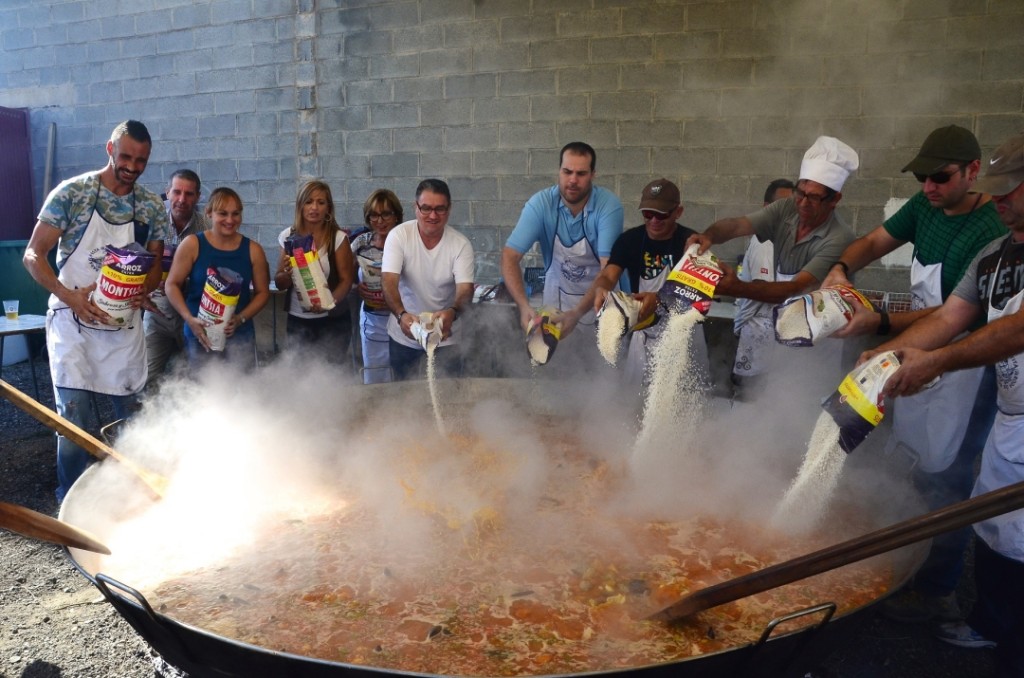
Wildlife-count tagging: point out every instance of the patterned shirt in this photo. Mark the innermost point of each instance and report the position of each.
(70, 205)
(952, 241)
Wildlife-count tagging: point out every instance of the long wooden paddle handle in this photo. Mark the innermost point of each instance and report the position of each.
(950, 518)
(86, 440)
(35, 525)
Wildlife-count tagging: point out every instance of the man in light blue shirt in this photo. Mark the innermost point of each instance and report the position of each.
(576, 224)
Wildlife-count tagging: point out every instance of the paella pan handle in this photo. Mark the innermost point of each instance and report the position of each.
(828, 609)
(953, 517)
(103, 583)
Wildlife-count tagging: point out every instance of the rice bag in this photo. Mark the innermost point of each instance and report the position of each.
(619, 315)
(542, 336)
(307, 275)
(802, 320)
(121, 277)
(371, 277)
(857, 405)
(217, 305)
(426, 331)
(691, 283)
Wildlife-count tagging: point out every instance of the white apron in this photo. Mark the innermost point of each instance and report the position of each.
(568, 278)
(754, 324)
(636, 356)
(99, 358)
(1002, 462)
(931, 424)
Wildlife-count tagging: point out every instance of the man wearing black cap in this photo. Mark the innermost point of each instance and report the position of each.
(948, 225)
(992, 290)
(646, 254)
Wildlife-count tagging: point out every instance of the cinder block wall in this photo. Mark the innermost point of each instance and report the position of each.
(720, 96)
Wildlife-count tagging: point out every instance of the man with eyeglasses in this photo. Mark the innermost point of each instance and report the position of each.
(943, 428)
(991, 291)
(426, 267)
(576, 224)
(797, 241)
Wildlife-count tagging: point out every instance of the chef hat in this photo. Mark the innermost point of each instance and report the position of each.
(829, 161)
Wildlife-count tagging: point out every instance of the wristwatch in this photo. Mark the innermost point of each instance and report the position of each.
(242, 319)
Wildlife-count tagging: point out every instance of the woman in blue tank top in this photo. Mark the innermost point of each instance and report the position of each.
(222, 247)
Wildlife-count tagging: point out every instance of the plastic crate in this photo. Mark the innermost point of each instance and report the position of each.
(897, 302)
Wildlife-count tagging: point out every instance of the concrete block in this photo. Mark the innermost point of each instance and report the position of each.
(365, 92)
(862, 132)
(945, 66)
(157, 22)
(255, 124)
(252, 168)
(850, 39)
(280, 146)
(594, 23)
(567, 52)
(278, 99)
(718, 73)
(272, 53)
(501, 214)
(993, 130)
(341, 21)
(501, 57)
(453, 10)
(1003, 64)
(753, 43)
(527, 82)
(71, 13)
(526, 135)
(518, 189)
(118, 69)
(497, 163)
(220, 126)
(767, 101)
(445, 165)
(719, 15)
(747, 161)
(447, 112)
(660, 133)
(117, 27)
(906, 36)
(625, 161)
(369, 43)
(273, 7)
(910, 131)
(973, 98)
(600, 134)
(845, 12)
(470, 137)
(253, 78)
(236, 148)
(796, 71)
(346, 118)
(502, 8)
(231, 11)
(688, 104)
(421, 139)
(418, 38)
(56, 34)
(588, 78)
(866, 192)
(397, 15)
(629, 49)
(527, 28)
(445, 61)
(716, 132)
(465, 189)
(393, 115)
(855, 69)
(501, 109)
(556, 108)
(236, 102)
(484, 238)
(619, 105)
(471, 86)
(54, 76)
(393, 66)
(364, 143)
(689, 161)
(216, 171)
(992, 31)
(70, 55)
(192, 16)
(398, 164)
(652, 76)
(473, 33)
(685, 46)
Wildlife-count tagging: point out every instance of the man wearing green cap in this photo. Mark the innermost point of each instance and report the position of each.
(948, 225)
(992, 290)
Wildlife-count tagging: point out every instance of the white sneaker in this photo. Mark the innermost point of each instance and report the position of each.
(962, 635)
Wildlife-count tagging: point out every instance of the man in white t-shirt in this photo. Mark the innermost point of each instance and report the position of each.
(427, 268)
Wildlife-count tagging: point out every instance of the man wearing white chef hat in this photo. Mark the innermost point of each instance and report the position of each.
(797, 240)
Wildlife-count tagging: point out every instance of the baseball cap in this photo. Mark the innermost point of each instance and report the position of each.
(1005, 170)
(661, 195)
(943, 146)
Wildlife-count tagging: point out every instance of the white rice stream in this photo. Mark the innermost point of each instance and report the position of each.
(611, 325)
(432, 383)
(807, 498)
(675, 398)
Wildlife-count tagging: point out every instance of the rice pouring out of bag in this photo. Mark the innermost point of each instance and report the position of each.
(803, 320)
(857, 405)
(121, 277)
(542, 336)
(619, 315)
(218, 303)
(691, 283)
(307, 275)
(425, 331)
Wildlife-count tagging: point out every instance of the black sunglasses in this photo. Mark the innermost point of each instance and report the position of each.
(938, 177)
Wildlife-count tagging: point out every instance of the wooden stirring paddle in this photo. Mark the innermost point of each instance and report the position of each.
(35, 525)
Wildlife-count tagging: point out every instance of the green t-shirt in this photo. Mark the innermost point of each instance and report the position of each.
(941, 239)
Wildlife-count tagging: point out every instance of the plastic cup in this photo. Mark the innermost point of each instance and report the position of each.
(11, 309)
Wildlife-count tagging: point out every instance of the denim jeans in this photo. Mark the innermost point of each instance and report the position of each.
(239, 351)
(75, 405)
(998, 613)
(408, 363)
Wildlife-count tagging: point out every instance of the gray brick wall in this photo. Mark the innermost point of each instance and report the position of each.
(720, 96)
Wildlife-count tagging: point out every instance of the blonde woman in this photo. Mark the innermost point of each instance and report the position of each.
(328, 332)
